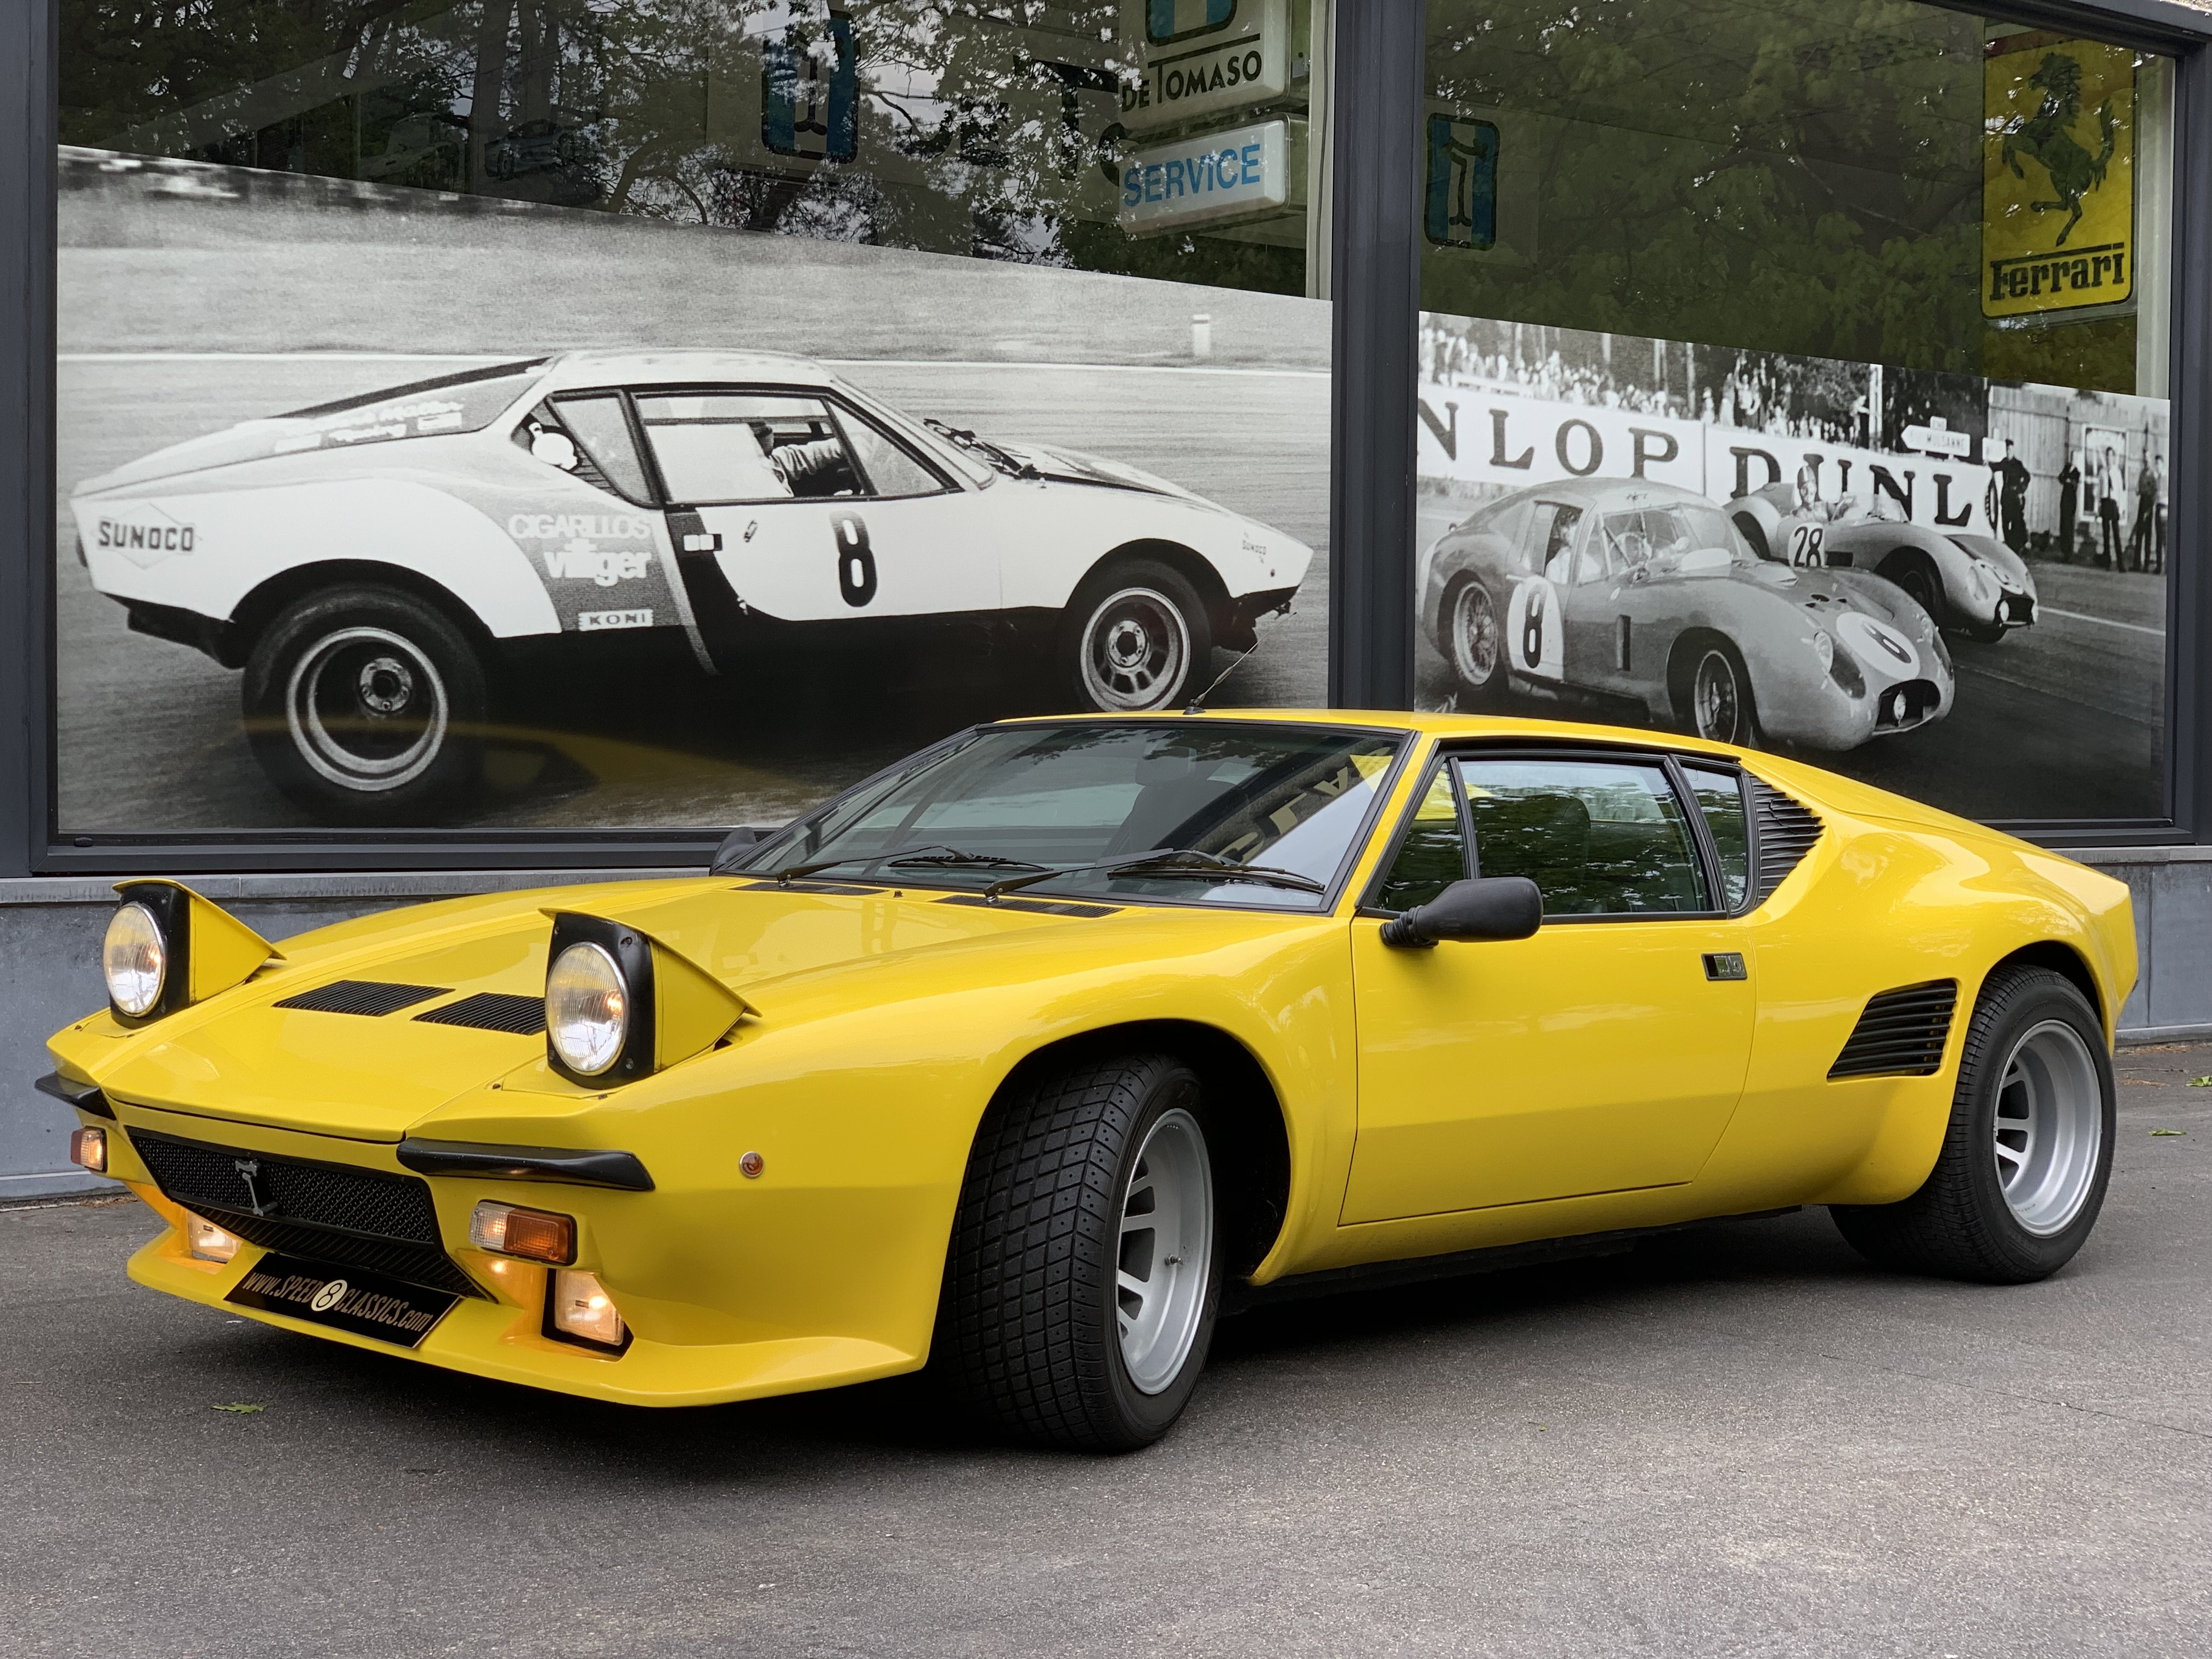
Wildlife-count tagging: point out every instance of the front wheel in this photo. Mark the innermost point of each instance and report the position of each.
(363, 704)
(1083, 1276)
(2024, 1165)
(1137, 638)
(1719, 696)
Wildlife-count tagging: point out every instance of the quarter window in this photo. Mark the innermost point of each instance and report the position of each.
(601, 430)
(1433, 854)
(1719, 796)
(1599, 837)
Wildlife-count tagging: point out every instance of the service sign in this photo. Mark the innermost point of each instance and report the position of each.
(1199, 57)
(1241, 174)
(2059, 201)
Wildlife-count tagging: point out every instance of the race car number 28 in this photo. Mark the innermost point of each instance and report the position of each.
(1533, 632)
(856, 560)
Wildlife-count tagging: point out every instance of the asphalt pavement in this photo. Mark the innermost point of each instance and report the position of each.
(1736, 1441)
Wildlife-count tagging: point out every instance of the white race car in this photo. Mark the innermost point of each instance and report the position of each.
(371, 564)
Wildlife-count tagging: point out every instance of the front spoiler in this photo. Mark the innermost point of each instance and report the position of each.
(504, 1339)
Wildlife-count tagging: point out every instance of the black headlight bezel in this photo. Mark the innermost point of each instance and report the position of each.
(632, 952)
(171, 909)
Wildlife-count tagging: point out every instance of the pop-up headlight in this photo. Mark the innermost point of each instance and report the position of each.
(168, 948)
(620, 1005)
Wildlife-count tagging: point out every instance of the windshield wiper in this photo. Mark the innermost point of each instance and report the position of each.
(990, 451)
(932, 855)
(1178, 862)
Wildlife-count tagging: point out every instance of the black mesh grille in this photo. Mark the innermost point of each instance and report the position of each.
(1787, 831)
(362, 996)
(361, 1217)
(492, 1010)
(1901, 1034)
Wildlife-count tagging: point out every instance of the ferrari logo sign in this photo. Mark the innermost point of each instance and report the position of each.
(2057, 175)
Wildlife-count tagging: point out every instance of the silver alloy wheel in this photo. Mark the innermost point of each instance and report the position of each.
(1166, 1251)
(1474, 635)
(1715, 700)
(367, 709)
(2049, 1127)
(1135, 651)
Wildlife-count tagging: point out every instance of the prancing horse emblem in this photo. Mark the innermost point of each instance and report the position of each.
(249, 1171)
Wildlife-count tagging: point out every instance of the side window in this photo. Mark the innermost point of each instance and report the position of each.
(1719, 796)
(727, 446)
(601, 431)
(1510, 524)
(885, 468)
(1554, 539)
(1599, 837)
(1432, 856)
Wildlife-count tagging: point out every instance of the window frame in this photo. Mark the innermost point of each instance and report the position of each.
(1704, 850)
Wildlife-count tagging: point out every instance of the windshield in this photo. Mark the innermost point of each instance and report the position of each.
(1264, 815)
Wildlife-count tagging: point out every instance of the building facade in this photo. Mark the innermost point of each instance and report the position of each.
(466, 444)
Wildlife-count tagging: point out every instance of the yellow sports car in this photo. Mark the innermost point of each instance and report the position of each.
(1023, 1057)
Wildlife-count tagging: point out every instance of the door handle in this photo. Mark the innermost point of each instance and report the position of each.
(1725, 964)
(702, 541)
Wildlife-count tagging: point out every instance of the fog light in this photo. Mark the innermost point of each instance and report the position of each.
(537, 1235)
(209, 1241)
(578, 1307)
(88, 1148)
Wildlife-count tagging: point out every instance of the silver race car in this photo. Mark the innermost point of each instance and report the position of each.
(374, 563)
(1645, 593)
(1972, 585)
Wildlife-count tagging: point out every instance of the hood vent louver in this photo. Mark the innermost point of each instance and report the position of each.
(1901, 1034)
(367, 997)
(1787, 830)
(492, 1010)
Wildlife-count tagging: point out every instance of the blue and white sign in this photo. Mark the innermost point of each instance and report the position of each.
(1199, 57)
(1242, 173)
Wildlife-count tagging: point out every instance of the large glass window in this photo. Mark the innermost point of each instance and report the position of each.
(1850, 327)
(989, 308)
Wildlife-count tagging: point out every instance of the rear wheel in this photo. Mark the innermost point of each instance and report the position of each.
(1137, 638)
(2024, 1166)
(1083, 1276)
(1476, 641)
(363, 704)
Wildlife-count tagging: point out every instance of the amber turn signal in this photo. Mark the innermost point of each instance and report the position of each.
(88, 1148)
(534, 1234)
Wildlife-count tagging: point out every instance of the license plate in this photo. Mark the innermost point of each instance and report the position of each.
(344, 1298)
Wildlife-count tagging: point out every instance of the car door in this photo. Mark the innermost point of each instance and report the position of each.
(809, 511)
(1535, 635)
(1604, 1054)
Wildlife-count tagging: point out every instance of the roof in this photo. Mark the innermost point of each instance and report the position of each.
(1595, 490)
(581, 368)
(1439, 725)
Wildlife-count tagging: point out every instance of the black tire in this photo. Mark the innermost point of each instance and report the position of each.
(1960, 1224)
(1712, 655)
(1472, 617)
(1029, 1327)
(1136, 638)
(365, 705)
(1920, 583)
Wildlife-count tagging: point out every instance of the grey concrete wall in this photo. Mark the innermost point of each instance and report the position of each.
(49, 934)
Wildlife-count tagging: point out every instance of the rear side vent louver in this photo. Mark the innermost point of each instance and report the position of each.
(362, 996)
(1901, 1034)
(1787, 831)
(492, 1010)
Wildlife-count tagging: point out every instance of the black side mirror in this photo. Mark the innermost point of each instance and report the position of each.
(1488, 907)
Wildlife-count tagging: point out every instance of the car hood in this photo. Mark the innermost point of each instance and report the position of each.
(790, 954)
(1073, 466)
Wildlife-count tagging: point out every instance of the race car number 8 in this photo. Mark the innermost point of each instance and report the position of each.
(1531, 628)
(856, 560)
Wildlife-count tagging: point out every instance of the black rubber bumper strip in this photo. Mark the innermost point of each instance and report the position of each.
(561, 1163)
(85, 1096)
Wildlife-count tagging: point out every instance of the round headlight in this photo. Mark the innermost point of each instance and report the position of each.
(1824, 648)
(586, 1009)
(133, 959)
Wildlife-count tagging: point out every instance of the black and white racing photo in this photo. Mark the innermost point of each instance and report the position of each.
(1928, 580)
